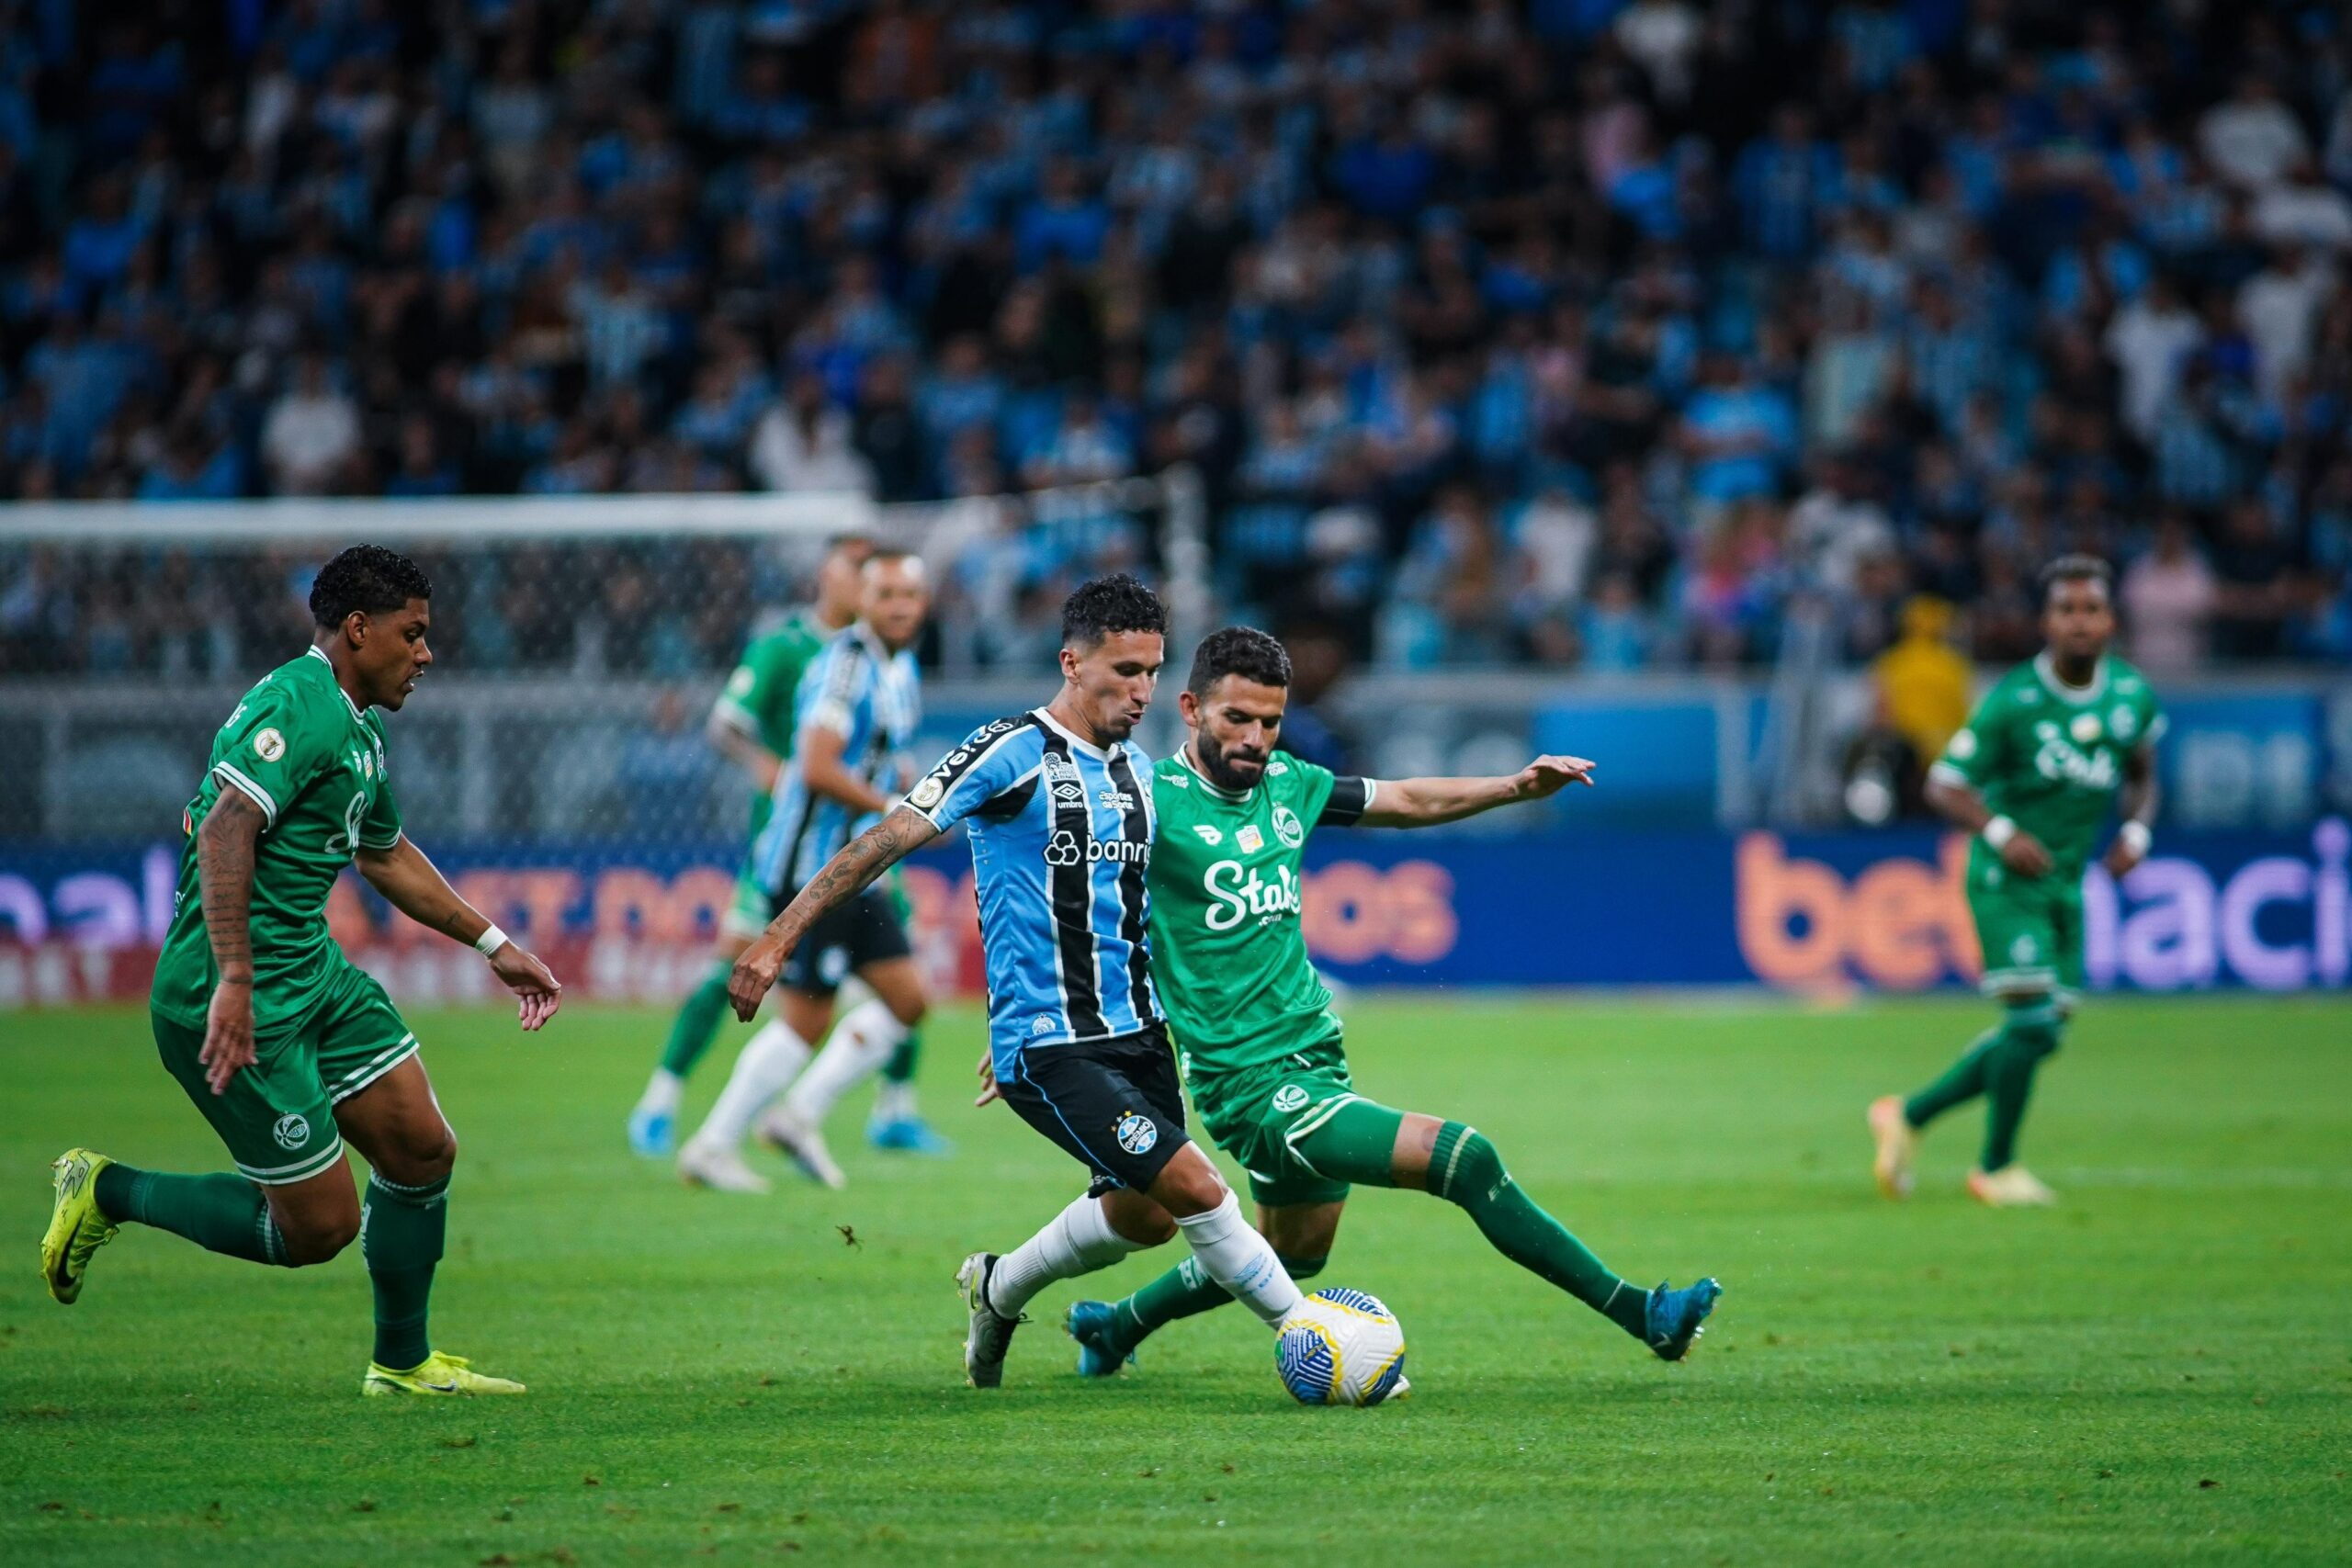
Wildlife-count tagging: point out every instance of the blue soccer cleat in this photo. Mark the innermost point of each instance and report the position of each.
(1676, 1318)
(652, 1134)
(909, 1134)
(1095, 1327)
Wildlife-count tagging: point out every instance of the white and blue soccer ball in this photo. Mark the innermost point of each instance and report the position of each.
(1341, 1346)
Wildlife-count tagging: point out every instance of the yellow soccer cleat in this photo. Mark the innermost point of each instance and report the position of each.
(76, 1229)
(2011, 1186)
(438, 1373)
(1897, 1143)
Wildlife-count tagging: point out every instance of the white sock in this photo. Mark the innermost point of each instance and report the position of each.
(768, 1064)
(1077, 1241)
(662, 1092)
(894, 1102)
(861, 1043)
(1237, 1257)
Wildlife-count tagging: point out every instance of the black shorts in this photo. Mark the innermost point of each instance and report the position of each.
(1116, 1106)
(845, 940)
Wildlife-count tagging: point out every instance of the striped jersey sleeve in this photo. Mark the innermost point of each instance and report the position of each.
(991, 759)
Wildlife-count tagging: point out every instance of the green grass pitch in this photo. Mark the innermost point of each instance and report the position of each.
(2160, 1370)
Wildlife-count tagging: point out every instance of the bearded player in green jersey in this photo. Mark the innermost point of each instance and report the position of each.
(2034, 775)
(287, 1048)
(753, 725)
(1260, 1048)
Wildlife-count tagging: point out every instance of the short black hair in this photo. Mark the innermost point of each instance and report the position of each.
(367, 578)
(1108, 605)
(1237, 650)
(2077, 569)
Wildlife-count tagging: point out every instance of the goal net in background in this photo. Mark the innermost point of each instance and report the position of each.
(555, 761)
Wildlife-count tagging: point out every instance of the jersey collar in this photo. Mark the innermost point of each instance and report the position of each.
(320, 655)
(2047, 667)
(1184, 757)
(1076, 740)
(872, 641)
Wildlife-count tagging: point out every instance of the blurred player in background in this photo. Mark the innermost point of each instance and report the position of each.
(858, 705)
(2034, 775)
(1261, 1045)
(1057, 803)
(288, 1048)
(753, 726)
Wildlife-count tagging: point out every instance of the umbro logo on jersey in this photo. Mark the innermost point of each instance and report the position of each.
(1069, 792)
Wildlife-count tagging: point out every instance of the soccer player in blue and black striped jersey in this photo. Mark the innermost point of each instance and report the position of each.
(858, 706)
(1058, 802)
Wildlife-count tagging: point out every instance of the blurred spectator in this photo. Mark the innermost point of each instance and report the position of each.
(2169, 599)
(311, 439)
(804, 444)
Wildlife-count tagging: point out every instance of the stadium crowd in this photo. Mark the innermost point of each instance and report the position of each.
(1582, 333)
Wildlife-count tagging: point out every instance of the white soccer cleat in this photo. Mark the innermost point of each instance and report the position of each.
(1897, 1143)
(804, 1146)
(722, 1169)
(2011, 1186)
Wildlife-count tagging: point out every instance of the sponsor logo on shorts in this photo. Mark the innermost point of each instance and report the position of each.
(269, 746)
(1136, 1134)
(291, 1131)
(1287, 828)
(1209, 836)
(1289, 1098)
(1250, 839)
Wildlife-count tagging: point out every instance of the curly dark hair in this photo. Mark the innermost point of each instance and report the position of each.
(2077, 569)
(1237, 650)
(367, 577)
(1110, 605)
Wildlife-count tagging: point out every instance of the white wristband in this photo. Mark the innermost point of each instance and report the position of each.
(1998, 832)
(2135, 837)
(490, 942)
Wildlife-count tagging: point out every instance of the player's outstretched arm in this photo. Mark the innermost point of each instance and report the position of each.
(861, 860)
(1957, 801)
(407, 878)
(225, 867)
(1425, 803)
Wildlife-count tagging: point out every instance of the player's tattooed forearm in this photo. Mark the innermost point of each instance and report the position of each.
(224, 859)
(862, 860)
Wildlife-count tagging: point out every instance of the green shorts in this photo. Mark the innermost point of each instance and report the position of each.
(1258, 1115)
(2030, 932)
(277, 1116)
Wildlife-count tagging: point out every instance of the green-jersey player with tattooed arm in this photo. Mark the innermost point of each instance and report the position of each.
(288, 1048)
(2033, 777)
(1260, 1046)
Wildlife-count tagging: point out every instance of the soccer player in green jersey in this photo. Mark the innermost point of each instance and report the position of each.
(287, 1049)
(753, 725)
(2034, 775)
(1260, 1046)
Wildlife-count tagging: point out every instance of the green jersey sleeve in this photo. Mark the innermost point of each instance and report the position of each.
(381, 828)
(1319, 797)
(1981, 749)
(273, 747)
(758, 698)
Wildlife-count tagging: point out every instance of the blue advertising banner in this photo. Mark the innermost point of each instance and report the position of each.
(1819, 913)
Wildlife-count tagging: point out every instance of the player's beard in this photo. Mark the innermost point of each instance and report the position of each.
(1219, 767)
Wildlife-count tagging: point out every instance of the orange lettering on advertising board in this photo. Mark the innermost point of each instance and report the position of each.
(1774, 897)
(1903, 924)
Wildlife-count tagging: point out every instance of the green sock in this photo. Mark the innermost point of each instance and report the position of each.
(221, 1213)
(697, 1024)
(1182, 1292)
(1961, 1082)
(1466, 1170)
(905, 1058)
(2030, 1034)
(401, 1233)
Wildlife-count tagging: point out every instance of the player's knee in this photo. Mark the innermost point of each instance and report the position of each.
(422, 1155)
(909, 1010)
(1464, 1167)
(315, 1239)
(1303, 1267)
(1189, 1187)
